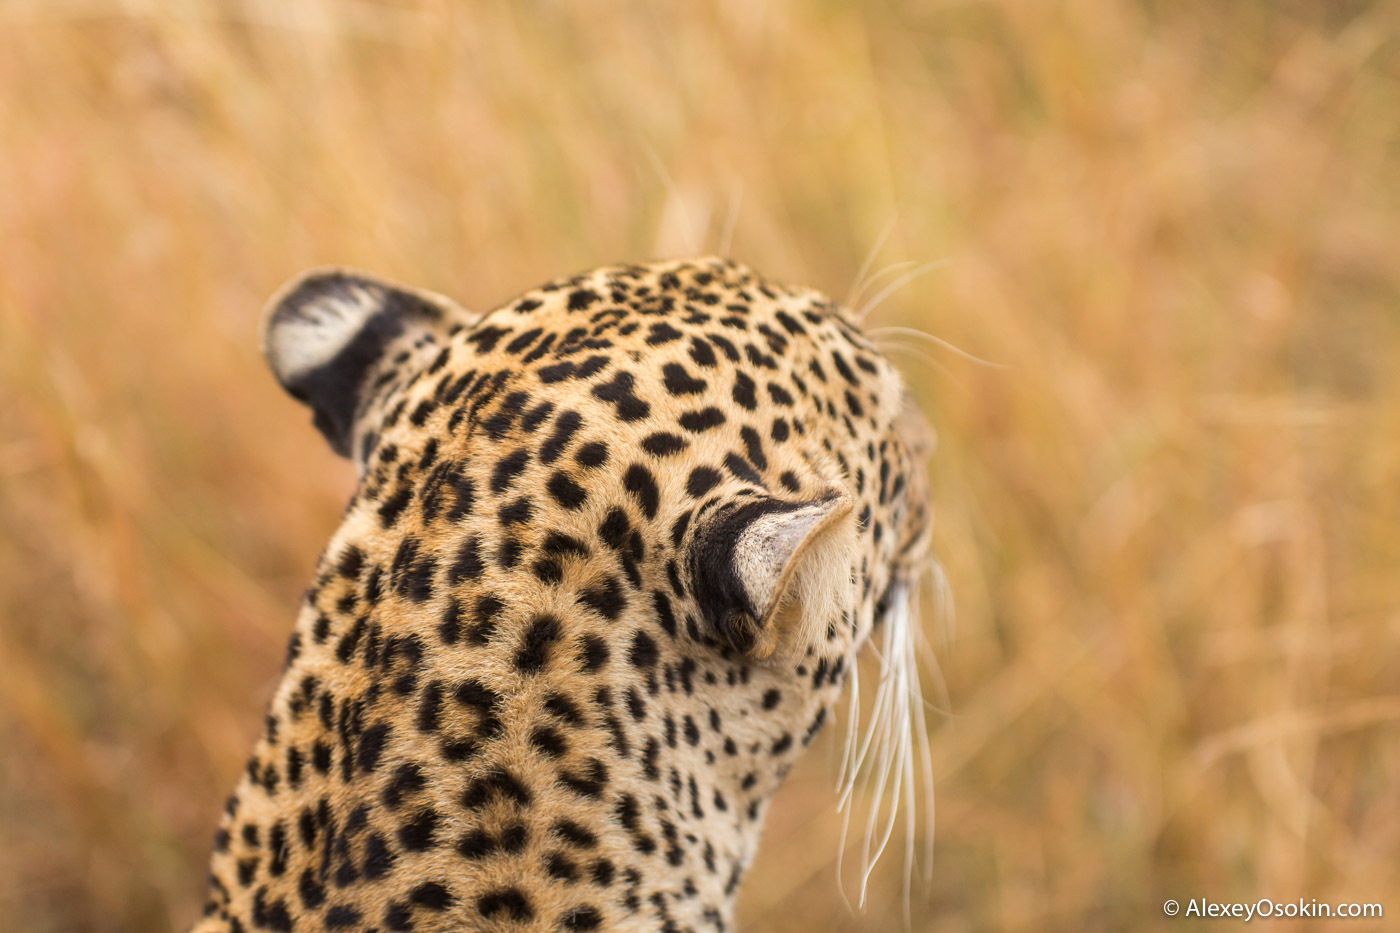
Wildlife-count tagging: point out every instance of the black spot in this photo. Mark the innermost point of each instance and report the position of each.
(507, 469)
(534, 647)
(508, 554)
(565, 426)
(547, 570)
(378, 857)
(607, 600)
(741, 469)
(477, 695)
(517, 512)
(592, 455)
(417, 834)
(313, 893)
(247, 869)
(649, 757)
(574, 834)
(615, 528)
(562, 707)
(560, 866)
(679, 382)
(602, 872)
(663, 444)
(635, 704)
(702, 420)
(519, 344)
(566, 492)
(515, 837)
(499, 424)
(641, 484)
(421, 413)
(743, 393)
(643, 650)
(678, 528)
(790, 324)
(593, 653)
(701, 481)
(274, 916)
(469, 564)
(498, 783)
(843, 368)
(430, 708)
(771, 699)
(351, 562)
(432, 895)
(588, 784)
(753, 445)
(398, 917)
(730, 352)
(580, 299)
(559, 544)
(701, 352)
(535, 416)
(509, 901)
(549, 741)
(372, 742)
(408, 779)
(664, 615)
(416, 581)
(458, 750)
(592, 365)
(556, 372)
(476, 844)
(662, 333)
(341, 916)
(486, 338)
(618, 392)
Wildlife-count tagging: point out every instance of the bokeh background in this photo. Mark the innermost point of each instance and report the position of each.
(1169, 516)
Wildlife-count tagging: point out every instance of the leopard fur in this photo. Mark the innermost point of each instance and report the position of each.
(612, 552)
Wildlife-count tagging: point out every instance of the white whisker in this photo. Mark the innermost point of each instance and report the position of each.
(897, 284)
(886, 345)
(731, 220)
(874, 333)
(859, 282)
(674, 192)
(891, 269)
(891, 754)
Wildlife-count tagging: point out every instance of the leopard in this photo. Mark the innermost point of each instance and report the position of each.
(612, 552)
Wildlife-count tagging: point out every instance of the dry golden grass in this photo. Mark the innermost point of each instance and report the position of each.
(1171, 524)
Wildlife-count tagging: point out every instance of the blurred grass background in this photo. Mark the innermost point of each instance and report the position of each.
(1171, 525)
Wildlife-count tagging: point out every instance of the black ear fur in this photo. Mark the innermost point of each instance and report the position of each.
(743, 561)
(326, 331)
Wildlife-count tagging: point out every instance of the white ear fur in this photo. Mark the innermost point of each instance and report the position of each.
(328, 330)
(795, 567)
(324, 321)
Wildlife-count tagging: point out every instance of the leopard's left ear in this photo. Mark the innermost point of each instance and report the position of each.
(328, 332)
(770, 573)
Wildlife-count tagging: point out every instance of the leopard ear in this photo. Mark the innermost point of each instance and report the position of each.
(328, 330)
(770, 573)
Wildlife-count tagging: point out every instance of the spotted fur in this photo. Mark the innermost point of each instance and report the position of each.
(613, 549)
